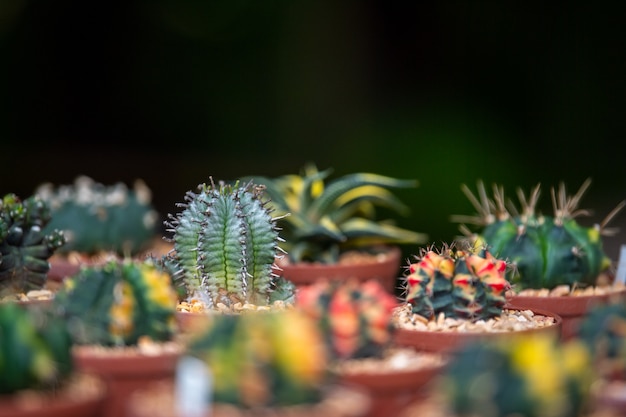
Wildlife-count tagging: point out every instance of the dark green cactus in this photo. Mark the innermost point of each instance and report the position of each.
(26, 244)
(546, 251)
(117, 303)
(35, 349)
(603, 330)
(263, 360)
(354, 317)
(98, 218)
(525, 376)
(225, 244)
(458, 283)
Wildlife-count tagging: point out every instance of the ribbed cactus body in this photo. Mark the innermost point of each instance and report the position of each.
(119, 302)
(546, 251)
(25, 245)
(98, 218)
(225, 242)
(355, 318)
(457, 283)
(35, 349)
(264, 359)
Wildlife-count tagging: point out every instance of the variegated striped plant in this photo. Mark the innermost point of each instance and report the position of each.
(322, 219)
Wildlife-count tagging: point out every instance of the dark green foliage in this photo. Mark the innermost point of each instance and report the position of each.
(26, 244)
(604, 331)
(117, 303)
(98, 218)
(35, 349)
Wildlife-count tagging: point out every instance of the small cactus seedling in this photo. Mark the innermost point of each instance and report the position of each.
(546, 251)
(355, 318)
(35, 349)
(467, 284)
(117, 303)
(98, 218)
(268, 359)
(25, 245)
(604, 332)
(225, 243)
(527, 376)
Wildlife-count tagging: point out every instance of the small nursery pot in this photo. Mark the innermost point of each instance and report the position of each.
(384, 267)
(450, 341)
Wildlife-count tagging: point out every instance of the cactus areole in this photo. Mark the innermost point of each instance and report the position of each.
(225, 243)
(546, 251)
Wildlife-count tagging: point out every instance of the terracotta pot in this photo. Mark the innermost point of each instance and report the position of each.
(68, 402)
(386, 269)
(392, 391)
(450, 341)
(572, 309)
(125, 370)
(339, 401)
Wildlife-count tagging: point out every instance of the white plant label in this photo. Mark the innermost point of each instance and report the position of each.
(193, 388)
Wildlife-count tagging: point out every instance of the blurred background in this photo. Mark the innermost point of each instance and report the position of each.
(449, 93)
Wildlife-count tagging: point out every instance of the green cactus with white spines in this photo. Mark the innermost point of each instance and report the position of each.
(525, 376)
(546, 251)
(35, 349)
(225, 244)
(354, 317)
(119, 302)
(25, 245)
(99, 218)
(467, 284)
(268, 359)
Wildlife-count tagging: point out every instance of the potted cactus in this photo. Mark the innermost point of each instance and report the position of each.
(455, 295)
(37, 372)
(354, 318)
(533, 376)
(603, 330)
(26, 246)
(330, 227)
(225, 244)
(99, 221)
(552, 256)
(121, 316)
(269, 363)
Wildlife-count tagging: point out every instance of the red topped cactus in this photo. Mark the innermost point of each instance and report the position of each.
(467, 284)
(355, 317)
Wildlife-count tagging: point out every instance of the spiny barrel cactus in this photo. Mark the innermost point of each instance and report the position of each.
(355, 318)
(116, 303)
(263, 360)
(603, 330)
(528, 376)
(458, 283)
(25, 244)
(35, 349)
(225, 243)
(99, 218)
(546, 251)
